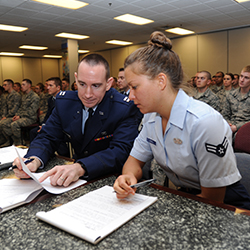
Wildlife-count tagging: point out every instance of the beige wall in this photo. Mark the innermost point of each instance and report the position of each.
(239, 50)
(36, 69)
(227, 51)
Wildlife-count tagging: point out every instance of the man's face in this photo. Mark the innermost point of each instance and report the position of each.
(38, 90)
(6, 86)
(92, 84)
(121, 82)
(218, 78)
(244, 81)
(195, 78)
(52, 88)
(202, 80)
(235, 80)
(65, 85)
(16, 87)
(25, 87)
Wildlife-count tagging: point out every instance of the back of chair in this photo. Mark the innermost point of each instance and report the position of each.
(242, 139)
(243, 164)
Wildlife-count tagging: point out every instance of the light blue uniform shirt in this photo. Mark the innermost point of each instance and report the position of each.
(195, 149)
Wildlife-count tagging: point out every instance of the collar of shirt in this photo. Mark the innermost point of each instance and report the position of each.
(178, 111)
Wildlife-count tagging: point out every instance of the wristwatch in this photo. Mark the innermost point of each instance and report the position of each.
(86, 175)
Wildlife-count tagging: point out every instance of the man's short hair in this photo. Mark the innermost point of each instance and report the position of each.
(65, 79)
(246, 69)
(96, 59)
(18, 84)
(220, 72)
(9, 81)
(56, 80)
(41, 86)
(121, 69)
(28, 81)
(207, 73)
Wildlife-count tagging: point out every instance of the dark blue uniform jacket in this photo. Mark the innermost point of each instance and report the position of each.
(109, 135)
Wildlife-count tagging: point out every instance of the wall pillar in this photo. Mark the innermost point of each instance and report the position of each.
(69, 58)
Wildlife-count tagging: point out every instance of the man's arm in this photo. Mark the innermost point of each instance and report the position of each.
(13, 103)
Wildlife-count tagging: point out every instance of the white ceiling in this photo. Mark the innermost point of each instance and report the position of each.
(96, 20)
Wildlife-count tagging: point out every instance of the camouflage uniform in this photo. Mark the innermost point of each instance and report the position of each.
(216, 88)
(237, 108)
(2, 101)
(209, 97)
(43, 105)
(223, 96)
(10, 106)
(28, 115)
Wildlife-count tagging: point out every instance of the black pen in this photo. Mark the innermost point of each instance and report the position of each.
(25, 162)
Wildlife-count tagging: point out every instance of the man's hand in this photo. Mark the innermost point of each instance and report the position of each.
(233, 128)
(63, 175)
(15, 118)
(32, 166)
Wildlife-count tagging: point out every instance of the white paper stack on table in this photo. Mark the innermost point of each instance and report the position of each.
(16, 192)
(96, 214)
(8, 155)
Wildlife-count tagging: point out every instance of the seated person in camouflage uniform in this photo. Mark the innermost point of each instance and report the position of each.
(237, 106)
(43, 104)
(25, 115)
(228, 87)
(10, 105)
(204, 93)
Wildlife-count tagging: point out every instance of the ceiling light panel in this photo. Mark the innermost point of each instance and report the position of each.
(180, 31)
(32, 47)
(10, 54)
(69, 4)
(133, 19)
(12, 28)
(242, 1)
(117, 42)
(72, 36)
(52, 56)
(82, 51)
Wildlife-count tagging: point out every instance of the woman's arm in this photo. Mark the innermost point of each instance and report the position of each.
(131, 173)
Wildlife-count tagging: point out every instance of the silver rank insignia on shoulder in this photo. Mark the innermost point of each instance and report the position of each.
(62, 93)
(126, 99)
(177, 141)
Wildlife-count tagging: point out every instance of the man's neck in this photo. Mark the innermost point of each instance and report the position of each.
(27, 91)
(56, 93)
(244, 90)
(219, 84)
(202, 90)
(10, 90)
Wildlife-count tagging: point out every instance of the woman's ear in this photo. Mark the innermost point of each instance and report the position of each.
(162, 80)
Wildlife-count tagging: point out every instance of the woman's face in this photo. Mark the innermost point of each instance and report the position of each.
(227, 80)
(143, 91)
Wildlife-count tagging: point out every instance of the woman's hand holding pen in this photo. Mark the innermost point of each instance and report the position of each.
(122, 185)
(32, 165)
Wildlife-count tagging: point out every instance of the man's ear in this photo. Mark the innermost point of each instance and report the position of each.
(162, 80)
(109, 83)
(75, 74)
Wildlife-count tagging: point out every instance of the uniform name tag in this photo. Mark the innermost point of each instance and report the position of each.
(151, 141)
